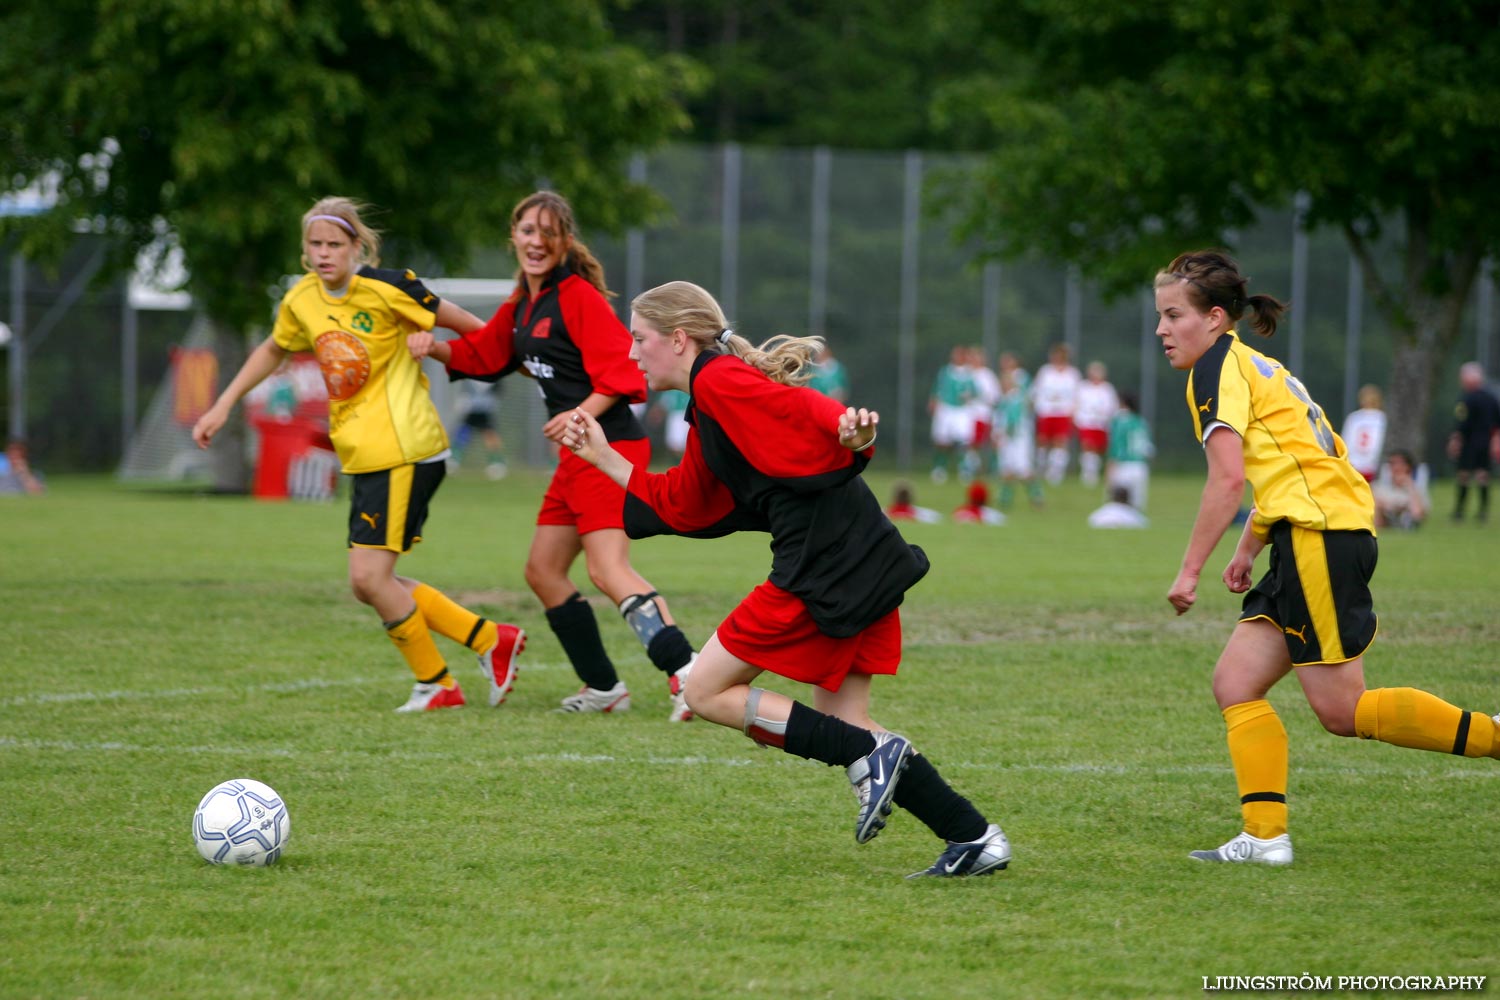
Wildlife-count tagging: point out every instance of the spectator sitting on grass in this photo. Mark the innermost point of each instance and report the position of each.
(16, 475)
(903, 507)
(1401, 499)
(975, 509)
(1118, 513)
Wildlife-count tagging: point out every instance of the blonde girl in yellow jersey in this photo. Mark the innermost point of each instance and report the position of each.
(356, 316)
(1312, 610)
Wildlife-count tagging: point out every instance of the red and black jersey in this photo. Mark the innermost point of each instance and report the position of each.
(569, 340)
(762, 456)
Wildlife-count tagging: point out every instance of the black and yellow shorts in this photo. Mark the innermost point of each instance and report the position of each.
(1317, 592)
(387, 509)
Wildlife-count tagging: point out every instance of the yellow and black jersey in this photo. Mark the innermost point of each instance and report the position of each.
(380, 413)
(1297, 466)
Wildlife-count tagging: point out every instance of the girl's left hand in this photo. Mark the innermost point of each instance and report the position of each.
(420, 343)
(1237, 573)
(857, 428)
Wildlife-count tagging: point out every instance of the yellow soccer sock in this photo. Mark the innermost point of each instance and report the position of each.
(448, 618)
(1407, 717)
(412, 638)
(1258, 751)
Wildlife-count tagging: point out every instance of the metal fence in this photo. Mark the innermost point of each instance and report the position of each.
(842, 244)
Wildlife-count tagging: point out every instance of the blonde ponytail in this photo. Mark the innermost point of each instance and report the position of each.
(682, 305)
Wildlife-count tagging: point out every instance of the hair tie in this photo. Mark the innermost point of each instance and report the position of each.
(336, 221)
(724, 336)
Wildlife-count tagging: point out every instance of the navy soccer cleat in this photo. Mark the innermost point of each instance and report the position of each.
(874, 779)
(989, 853)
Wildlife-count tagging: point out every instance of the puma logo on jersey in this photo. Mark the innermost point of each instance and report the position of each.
(372, 519)
(539, 369)
(1206, 406)
(1301, 633)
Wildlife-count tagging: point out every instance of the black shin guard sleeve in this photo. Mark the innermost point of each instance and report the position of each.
(923, 793)
(670, 650)
(575, 626)
(816, 736)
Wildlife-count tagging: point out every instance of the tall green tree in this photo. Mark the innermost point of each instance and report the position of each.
(217, 122)
(857, 74)
(1120, 134)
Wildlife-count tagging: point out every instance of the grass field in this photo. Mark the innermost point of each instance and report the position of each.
(156, 644)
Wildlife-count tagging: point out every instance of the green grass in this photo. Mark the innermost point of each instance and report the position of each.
(156, 644)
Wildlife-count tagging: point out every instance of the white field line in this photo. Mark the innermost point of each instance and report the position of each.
(314, 683)
(698, 760)
(158, 694)
(112, 746)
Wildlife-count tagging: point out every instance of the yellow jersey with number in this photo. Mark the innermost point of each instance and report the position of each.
(380, 412)
(1297, 466)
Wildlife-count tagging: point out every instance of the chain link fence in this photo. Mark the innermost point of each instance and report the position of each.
(839, 243)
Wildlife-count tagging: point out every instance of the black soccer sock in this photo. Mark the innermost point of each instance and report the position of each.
(1484, 501)
(577, 629)
(1462, 501)
(669, 649)
(923, 793)
(816, 736)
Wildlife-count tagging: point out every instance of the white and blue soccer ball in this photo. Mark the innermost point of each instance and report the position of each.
(241, 822)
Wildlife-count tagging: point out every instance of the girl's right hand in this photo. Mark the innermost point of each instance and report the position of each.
(583, 436)
(1184, 592)
(207, 426)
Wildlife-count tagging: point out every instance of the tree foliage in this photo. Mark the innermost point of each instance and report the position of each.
(218, 122)
(1121, 134)
(857, 74)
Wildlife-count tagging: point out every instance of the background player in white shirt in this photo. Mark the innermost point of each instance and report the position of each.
(1096, 405)
(1054, 394)
(1364, 433)
(980, 458)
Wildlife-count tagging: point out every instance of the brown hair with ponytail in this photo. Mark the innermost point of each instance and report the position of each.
(577, 255)
(1214, 279)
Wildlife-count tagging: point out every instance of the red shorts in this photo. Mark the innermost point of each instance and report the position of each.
(582, 497)
(1054, 428)
(771, 629)
(981, 437)
(1094, 439)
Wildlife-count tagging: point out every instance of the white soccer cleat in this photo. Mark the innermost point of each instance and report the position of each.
(676, 684)
(1245, 848)
(588, 699)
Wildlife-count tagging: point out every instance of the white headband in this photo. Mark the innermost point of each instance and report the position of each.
(335, 220)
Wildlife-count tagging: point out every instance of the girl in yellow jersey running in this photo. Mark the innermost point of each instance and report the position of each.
(356, 318)
(1312, 609)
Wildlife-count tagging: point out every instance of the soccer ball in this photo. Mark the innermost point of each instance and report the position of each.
(241, 822)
